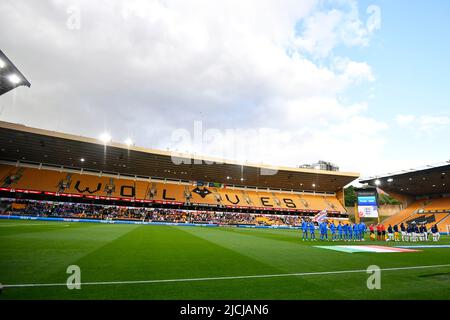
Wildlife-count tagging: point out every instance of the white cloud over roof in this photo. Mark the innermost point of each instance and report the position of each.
(149, 68)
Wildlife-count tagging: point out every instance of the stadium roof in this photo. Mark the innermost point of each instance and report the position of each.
(428, 180)
(31, 145)
(10, 76)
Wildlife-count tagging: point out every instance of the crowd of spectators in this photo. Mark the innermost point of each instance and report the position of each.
(107, 212)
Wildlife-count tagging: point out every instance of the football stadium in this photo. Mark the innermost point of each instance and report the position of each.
(140, 225)
(317, 167)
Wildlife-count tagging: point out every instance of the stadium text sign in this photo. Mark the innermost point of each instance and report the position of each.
(227, 310)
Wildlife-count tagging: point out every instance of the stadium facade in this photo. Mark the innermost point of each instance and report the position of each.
(424, 193)
(44, 165)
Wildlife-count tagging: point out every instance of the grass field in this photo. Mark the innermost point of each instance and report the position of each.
(39, 252)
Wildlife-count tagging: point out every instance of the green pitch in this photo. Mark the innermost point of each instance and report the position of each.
(36, 252)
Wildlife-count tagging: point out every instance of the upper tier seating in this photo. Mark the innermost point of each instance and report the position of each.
(90, 184)
(438, 205)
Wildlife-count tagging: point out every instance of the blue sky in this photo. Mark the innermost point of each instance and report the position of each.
(277, 82)
(410, 57)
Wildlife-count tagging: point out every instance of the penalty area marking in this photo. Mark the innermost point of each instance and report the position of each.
(303, 274)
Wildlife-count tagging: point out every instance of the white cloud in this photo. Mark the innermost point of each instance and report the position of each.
(147, 68)
(352, 71)
(320, 35)
(374, 20)
(405, 119)
(326, 29)
(432, 123)
(424, 123)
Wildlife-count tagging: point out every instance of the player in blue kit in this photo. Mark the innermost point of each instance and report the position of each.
(333, 231)
(362, 231)
(312, 231)
(304, 230)
(325, 230)
(355, 232)
(349, 232)
(340, 229)
(321, 230)
(345, 232)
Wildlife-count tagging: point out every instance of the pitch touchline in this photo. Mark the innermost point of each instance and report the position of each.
(30, 225)
(218, 278)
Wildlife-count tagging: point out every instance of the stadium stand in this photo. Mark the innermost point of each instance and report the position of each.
(334, 204)
(56, 174)
(143, 190)
(438, 205)
(404, 214)
(232, 197)
(285, 201)
(168, 192)
(426, 218)
(202, 195)
(253, 199)
(311, 202)
(88, 184)
(30, 179)
(434, 212)
(443, 225)
(423, 192)
(428, 212)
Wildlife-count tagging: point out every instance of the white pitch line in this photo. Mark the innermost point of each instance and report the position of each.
(30, 225)
(217, 278)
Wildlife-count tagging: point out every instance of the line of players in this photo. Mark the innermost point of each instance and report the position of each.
(355, 232)
(412, 232)
(339, 232)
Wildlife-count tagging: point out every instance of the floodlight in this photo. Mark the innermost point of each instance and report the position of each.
(10, 75)
(105, 137)
(14, 78)
(129, 142)
(377, 182)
